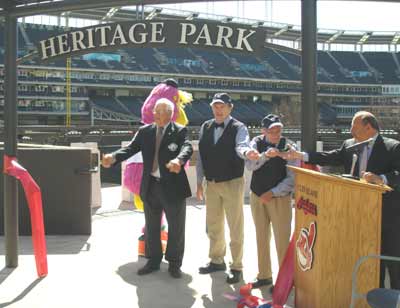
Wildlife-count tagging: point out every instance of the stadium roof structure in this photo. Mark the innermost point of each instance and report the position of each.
(101, 10)
(22, 8)
(274, 30)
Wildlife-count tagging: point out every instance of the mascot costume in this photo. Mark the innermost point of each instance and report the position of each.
(134, 167)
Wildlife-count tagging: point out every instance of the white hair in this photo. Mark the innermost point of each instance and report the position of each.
(166, 102)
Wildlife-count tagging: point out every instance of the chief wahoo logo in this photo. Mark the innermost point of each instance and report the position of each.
(304, 246)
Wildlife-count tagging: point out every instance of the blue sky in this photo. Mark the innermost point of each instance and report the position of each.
(343, 15)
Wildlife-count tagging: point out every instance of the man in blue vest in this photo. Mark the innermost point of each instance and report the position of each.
(223, 144)
(270, 197)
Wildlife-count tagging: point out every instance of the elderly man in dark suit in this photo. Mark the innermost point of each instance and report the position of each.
(379, 163)
(165, 186)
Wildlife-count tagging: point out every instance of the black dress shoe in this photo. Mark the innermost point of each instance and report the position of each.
(261, 282)
(175, 272)
(212, 267)
(234, 276)
(148, 268)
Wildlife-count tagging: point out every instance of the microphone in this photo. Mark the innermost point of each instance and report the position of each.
(353, 164)
(357, 147)
(379, 298)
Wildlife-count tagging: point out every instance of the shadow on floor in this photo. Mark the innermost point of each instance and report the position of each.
(158, 289)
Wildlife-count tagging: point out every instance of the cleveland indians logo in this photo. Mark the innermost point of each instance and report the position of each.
(304, 246)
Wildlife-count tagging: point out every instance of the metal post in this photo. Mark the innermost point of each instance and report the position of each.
(10, 144)
(91, 116)
(309, 107)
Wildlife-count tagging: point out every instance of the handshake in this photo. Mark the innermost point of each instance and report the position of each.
(289, 153)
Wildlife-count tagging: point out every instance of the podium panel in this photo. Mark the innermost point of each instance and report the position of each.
(337, 221)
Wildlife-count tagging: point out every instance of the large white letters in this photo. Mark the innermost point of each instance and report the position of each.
(77, 41)
(63, 44)
(132, 33)
(221, 36)
(157, 32)
(185, 33)
(243, 39)
(147, 33)
(118, 35)
(204, 35)
(50, 46)
(103, 38)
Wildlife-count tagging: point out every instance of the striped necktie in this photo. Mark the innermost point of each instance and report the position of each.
(159, 135)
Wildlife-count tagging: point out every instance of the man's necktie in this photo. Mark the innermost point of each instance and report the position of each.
(363, 160)
(159, 135)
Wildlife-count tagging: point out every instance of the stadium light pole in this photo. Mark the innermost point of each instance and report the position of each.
(309, 107)
(10, 199)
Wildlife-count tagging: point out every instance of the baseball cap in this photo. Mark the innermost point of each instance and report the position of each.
(270, 121)
(223, 98)
(170, 82)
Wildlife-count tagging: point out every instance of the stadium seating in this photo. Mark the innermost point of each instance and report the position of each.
(384, 63)
(238, 72)
(109, 103)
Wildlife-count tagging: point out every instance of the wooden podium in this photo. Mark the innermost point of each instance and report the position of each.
(338, 221)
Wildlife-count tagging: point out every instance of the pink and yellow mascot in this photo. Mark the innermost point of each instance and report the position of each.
(134, 168)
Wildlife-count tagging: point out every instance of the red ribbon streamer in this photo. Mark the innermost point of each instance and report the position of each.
(34, 198)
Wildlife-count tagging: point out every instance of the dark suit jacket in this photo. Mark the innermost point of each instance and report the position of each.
(174, 144)
(384, 159)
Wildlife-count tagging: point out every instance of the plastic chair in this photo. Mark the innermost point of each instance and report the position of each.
(383, 298)
(372, 293)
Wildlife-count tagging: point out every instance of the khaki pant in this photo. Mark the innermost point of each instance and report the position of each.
(277, 212)
(225, 199)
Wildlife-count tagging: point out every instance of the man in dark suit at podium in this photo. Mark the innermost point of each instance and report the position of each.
(377, 162)
(165, 186)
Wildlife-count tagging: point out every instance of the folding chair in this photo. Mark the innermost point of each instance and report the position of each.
(354, 294)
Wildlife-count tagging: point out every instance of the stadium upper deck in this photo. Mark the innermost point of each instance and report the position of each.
(109, 87)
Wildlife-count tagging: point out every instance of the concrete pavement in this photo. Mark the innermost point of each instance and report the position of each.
(100, 270)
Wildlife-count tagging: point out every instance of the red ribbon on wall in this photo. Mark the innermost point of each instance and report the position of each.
(34, 198)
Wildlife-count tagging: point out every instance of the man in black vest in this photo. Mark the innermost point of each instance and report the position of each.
(270, 197)
(223, 144)
(379, 163)
(165, 186)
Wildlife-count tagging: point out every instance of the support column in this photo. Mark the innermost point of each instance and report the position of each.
(10, 140)
(309, 107)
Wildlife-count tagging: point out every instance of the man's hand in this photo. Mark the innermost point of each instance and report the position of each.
(199, 192)
(372, 178)
(174, 165)
(107, 160)
(266, 197)
(292, 154)
(272, 152)
(252, 154)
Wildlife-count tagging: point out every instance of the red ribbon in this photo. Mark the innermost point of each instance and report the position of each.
(285, 279)
(310, 166)
(34, 198)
